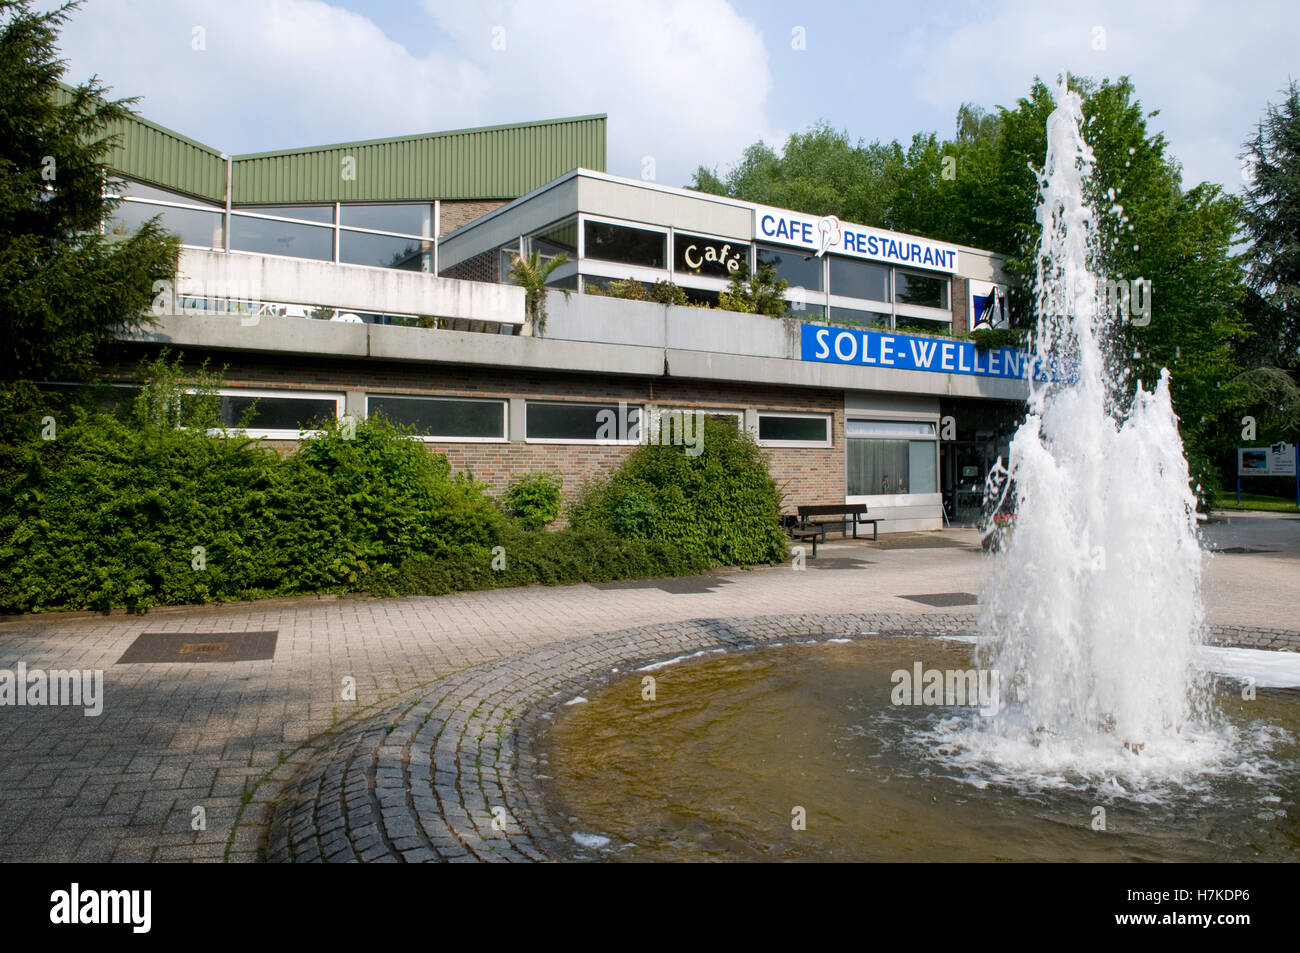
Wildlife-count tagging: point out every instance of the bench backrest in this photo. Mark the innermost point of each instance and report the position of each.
(832, 509)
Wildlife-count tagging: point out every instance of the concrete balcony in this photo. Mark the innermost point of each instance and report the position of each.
(236, 282)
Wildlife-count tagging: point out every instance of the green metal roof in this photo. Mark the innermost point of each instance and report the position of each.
(158, 155)
(487, 162)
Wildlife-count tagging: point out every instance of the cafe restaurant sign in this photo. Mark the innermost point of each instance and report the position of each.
(907, 352)
(828, 233)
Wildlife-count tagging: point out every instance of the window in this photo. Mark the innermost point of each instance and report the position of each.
(582, 423)
(925, 290)
(890, 458)
(809, 312)
(708, 257)
(269, 237)
(443, 418)
(794, 430)
(195, 222)
(850, 317)
(801, 271)
(408, 219)
(559, 239)
(384, 251)
(628, 246)
(278, 414)
(303, 213)
(859, 279)
(193, 226)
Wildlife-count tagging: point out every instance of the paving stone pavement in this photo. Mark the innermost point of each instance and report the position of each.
(228, 737)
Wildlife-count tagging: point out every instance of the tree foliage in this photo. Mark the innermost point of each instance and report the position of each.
(65, 289)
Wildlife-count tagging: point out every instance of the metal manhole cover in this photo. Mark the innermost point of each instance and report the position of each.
(201, 647)
(938, 599)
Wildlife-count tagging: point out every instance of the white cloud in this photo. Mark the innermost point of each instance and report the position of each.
(683, 82)
(1210, 67)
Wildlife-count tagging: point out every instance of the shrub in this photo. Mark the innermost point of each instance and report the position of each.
(720, 505)
(534, 501)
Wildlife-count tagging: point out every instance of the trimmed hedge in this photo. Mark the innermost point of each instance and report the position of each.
(131, 513)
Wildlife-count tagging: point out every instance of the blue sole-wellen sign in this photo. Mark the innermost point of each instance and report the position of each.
(906, 352)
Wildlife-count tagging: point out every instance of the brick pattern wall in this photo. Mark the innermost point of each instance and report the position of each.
(806, 475)
(454, 214)
(481, 267)
(960, 305)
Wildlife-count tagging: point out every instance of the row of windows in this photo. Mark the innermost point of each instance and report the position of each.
(882, 458)
(380, 235)
(282, 415)
(701, 256)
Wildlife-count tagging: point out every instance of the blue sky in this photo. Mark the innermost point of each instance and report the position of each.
(685, 82)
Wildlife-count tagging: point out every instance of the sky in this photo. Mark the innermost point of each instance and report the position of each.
(684, 82)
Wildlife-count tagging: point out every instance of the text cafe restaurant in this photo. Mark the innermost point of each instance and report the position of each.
(863, 394)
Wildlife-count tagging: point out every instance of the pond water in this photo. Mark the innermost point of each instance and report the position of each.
(735, 748)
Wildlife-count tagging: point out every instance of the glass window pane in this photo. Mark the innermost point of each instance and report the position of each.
(921, 467)
(855, 428)
(140, 190)
(438, 417)
(809, 312)
(890, 467)
(771, 427)
(859, 279)
(561, 239)
(799, 270)
(628, 246)
(194, 227)
(925, 290)
(281, 238)
(410, 219)
(362, 248)
(556, 421)
(854, 318)
(306, 213)
(708, 257)
(277, 413)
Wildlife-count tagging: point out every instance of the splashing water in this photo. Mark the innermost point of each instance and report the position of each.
(1092, 615)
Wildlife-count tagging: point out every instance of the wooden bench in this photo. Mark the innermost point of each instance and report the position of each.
(844, 514)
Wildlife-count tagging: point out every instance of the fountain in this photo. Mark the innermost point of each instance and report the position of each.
(1093, 615)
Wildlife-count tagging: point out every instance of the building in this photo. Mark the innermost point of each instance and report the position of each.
(373, 277)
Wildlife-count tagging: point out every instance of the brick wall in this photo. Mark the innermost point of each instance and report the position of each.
(454, 214)
(960, 305)
(806, 475)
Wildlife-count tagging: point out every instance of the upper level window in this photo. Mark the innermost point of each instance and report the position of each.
(708, 257)
(859, 279)
(270, 237)
(402, 219)
(559, 239)
(800, 270)
(928, 291)
(627, 246)
(303, 213)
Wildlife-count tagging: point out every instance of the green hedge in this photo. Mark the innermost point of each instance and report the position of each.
(129, 511)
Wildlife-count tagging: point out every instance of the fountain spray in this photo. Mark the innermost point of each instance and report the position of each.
(1092, 615)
